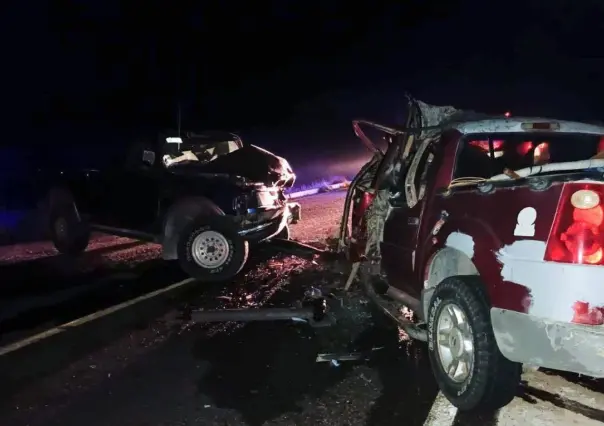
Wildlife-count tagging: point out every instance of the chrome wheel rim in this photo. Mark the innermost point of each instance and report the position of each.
(210, 249)
(455, 343)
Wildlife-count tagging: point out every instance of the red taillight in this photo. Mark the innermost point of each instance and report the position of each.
(585, 314)
(577, 235)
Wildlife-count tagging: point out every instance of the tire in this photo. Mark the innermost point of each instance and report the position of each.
(221, 231)
(493, 380)
(69, 233)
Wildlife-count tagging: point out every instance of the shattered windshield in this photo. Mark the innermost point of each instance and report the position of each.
(197, 150)
(515, 151)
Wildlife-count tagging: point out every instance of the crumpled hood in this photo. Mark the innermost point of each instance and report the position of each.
(253, 163)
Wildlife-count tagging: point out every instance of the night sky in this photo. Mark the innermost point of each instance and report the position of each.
(291, 75)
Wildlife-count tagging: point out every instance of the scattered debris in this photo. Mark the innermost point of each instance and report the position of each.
(350, 356)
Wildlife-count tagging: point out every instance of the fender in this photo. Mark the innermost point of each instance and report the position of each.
(463, 247)
(178, 215)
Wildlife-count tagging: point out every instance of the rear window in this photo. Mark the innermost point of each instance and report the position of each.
(519, 150)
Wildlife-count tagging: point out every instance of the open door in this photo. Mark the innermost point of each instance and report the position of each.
(401, 230)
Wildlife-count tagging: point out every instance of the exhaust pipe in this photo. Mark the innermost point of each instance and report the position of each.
(374, 290)
(383, 289)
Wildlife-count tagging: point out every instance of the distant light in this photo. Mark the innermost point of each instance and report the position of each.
(174, 140)
(507, 114)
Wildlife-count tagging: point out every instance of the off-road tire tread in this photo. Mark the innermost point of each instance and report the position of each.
(496, 379)
(79, 230)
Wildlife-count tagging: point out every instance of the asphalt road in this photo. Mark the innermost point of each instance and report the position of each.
(147, 364)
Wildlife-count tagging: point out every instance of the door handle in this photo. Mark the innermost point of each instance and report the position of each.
(413, 221)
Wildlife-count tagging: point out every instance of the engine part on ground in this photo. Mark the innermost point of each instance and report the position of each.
(351, 356)
(249, 315)
(314, 311)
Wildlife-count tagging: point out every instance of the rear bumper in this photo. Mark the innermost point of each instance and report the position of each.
(557, 345)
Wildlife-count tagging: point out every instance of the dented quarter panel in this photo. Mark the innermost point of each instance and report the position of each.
(553, 287)
(461, 247)
(491, 224)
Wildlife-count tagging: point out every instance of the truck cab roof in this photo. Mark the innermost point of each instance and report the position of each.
(525, 124)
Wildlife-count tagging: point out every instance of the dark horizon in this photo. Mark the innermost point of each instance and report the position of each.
(289, 77)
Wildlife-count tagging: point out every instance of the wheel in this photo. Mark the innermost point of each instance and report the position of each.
(469, 368)
(284, 234)
(69, 233)
(210, 249)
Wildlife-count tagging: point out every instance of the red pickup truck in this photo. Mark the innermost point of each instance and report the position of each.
(491, 229)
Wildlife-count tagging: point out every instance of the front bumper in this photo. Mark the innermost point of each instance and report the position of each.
(271, 222)
(557, 345)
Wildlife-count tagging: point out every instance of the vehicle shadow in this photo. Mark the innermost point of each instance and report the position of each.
(531, 395)
(53, 273)
(408, 387)
(595, 385)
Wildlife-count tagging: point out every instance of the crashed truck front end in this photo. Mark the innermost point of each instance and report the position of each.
(244, 181)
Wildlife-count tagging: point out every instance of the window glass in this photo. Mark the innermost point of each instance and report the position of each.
(516, 151)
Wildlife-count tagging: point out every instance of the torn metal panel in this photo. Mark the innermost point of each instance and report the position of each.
(376, 219)
(432, 115)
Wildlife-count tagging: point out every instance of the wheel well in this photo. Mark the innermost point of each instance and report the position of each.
(59, 195)
(446, 263)
(179, 215)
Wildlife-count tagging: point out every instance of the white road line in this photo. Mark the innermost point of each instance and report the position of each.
(442, 412)
(83, 320)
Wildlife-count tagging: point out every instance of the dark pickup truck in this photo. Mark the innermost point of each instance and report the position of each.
(204, 197)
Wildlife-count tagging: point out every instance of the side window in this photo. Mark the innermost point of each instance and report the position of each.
(473, 160)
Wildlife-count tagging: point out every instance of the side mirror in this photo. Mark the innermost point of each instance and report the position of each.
(148, 159)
